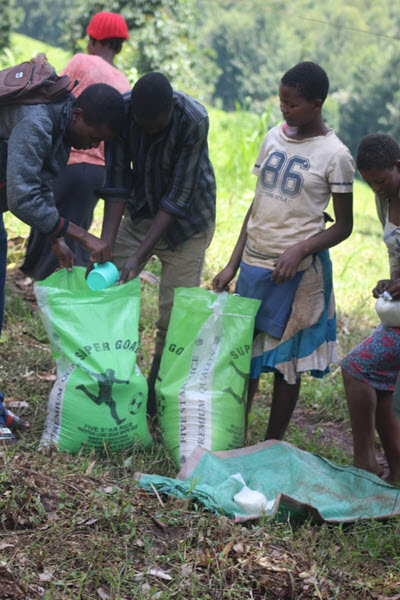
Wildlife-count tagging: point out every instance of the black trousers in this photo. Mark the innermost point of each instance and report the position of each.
(75, 200)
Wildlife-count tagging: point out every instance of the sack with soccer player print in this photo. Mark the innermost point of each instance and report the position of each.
(99, 398)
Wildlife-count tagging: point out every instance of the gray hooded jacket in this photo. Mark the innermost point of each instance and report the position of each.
(36, 153)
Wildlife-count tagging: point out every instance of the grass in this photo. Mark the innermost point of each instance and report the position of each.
(23, 48)
(77, 527)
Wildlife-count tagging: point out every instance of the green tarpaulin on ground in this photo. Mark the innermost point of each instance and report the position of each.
(294, 482)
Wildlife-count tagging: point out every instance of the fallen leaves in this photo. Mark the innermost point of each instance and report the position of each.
(148, 277)
(90, 467)
(4, 545)
(155, 573)
(44, 376)
(160, 574)
(228, 548)
(46, 575)
(47, 376)
(167, 551)
(104, 595)
(15, 402)
(239, 548)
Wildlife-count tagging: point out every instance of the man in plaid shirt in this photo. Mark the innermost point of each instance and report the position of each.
(161, 183)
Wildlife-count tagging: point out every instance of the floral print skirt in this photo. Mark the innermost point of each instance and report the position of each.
(376, 361)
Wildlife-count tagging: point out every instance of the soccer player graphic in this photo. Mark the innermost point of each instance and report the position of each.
(239, 399)
(106, 381)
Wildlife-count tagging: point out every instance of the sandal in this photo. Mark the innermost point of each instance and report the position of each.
(14, 422)
(6, 437)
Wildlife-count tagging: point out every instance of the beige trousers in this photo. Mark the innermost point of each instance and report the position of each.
(179, 268)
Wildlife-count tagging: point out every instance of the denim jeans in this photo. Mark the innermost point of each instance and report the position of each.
(3, 261)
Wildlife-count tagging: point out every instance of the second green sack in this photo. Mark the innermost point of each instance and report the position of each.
(202, 384)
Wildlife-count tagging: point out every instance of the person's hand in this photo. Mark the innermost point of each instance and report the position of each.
(394, 289)
(222, 280)
(287, 265)
(381, 286)
(100, 249)
(89, 267)
(131, 269)
(64, 255)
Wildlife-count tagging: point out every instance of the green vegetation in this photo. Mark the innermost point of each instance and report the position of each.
(229, 52)
(5, 24)
(77, 527)
(162, 35)
(356, 42)
(23, 48)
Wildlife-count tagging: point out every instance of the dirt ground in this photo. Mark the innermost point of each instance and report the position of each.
(268, 569)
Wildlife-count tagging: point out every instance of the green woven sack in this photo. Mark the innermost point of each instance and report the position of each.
(202, 383)
(99, 398)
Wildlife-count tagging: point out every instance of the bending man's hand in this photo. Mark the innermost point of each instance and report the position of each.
(161, 223)
(100, 249)
(131, 269)
(64, 255)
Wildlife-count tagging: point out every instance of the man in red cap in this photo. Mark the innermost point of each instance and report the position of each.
(74, 188)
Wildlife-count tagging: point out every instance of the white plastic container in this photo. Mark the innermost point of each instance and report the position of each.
(388, 310)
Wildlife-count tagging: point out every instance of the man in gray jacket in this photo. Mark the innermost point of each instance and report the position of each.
(35, 142)
(39, 140)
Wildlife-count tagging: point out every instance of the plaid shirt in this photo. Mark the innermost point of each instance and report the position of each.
(170, 171)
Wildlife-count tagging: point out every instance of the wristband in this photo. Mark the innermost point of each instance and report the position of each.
(60, 229)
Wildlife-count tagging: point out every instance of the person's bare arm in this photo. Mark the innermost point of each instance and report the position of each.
(161, 223)
(113, 212)
(288, 262)
(224, 277)
(100, 249)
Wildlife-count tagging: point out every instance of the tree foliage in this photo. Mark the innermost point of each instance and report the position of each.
(356, 42)
(232, 52)
(5, 24)
(162, 38)
(41, 19)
